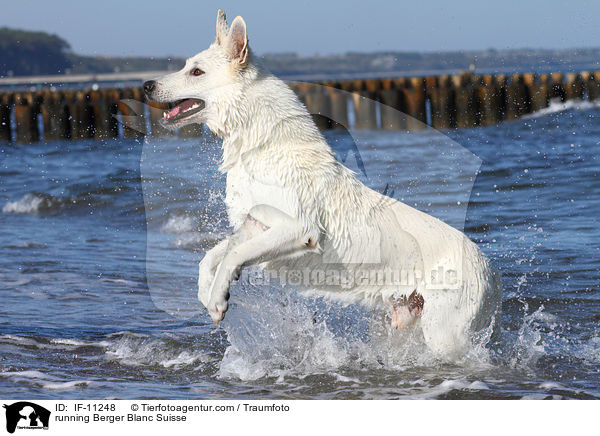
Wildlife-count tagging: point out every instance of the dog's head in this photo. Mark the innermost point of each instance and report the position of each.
(210, 78)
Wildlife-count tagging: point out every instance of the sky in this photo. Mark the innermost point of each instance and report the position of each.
(185, 27)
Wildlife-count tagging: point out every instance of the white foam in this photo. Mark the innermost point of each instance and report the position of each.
(27, 375)
(441, 389)
(479, 386)
(344, 379)
(528, 345)
(590, 349)
(54, 343)
(28, 204)
(183, 359)
(278, 334)
(178, 224)
(49, 382)
(552, 385)
(29, 244)
(534, 397)
(556, 106)
(121, 282)
(139, 350)
(67, 386)
(77, 343)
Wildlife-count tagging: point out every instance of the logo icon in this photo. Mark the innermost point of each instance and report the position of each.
(26, 415)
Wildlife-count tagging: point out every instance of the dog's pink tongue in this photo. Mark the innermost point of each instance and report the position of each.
(173, 112)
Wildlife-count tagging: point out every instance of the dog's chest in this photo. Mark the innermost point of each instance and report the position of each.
(245, 190)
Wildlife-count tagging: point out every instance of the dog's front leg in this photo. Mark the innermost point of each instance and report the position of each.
(207, 268)
(283, 236)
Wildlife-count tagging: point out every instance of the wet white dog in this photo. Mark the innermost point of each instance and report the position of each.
(295, 208)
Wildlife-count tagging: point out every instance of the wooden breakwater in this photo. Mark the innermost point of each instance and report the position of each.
(442, 102)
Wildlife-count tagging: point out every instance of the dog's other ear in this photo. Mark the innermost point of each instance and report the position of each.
(222, 28)
(237, 42)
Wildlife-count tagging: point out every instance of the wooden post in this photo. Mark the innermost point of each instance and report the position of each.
(364, 107)
(517, 99)
(593, 85)
(112, 97)
(574, 88)
(491, 103)
(339, 107)
(318, 105)
(558, 88)
(414, 103)
(466, 100)
(6, 101)
(134, 124)
(538, 92)
(301, 87)
(104, 107)
(26, 118)
(55, 116)
(392, 109)
(81, 115)
(441, 98)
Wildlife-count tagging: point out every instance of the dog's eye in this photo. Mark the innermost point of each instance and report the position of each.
(197, 72)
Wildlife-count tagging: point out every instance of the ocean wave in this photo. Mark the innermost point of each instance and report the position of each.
(125, 348)
(187, 232)
(29, 244)
(589, 349)
(38, 379)
(50, 343)
(68, 385)
(556, 105)
(45, 204)
(133, 349)
(446, 387)
(31, 204)
(179, 224)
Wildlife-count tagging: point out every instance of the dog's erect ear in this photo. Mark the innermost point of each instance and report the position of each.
(237, 42)
(222, 28)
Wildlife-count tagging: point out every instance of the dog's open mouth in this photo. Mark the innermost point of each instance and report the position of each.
(183, 109)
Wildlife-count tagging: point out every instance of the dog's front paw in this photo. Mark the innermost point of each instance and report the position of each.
(217, 309)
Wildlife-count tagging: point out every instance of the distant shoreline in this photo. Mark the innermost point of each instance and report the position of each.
(33, 59)
(120, 80)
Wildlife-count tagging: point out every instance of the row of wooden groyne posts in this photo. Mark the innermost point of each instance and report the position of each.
(442, 102)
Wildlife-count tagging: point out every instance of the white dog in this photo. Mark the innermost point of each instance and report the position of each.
(293, 206)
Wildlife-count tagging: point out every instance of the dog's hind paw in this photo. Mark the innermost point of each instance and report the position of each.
(415, 304)
(406, 310)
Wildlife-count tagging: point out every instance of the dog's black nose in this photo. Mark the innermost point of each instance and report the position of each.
(149, 86)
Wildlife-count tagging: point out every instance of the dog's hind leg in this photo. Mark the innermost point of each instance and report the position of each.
(405, 311)
(273, 234)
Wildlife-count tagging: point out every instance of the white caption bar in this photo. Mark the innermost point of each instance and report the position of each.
(266, 417)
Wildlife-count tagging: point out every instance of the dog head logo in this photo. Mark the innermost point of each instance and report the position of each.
(26, 415)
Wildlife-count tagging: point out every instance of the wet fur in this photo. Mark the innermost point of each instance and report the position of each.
(292, 205)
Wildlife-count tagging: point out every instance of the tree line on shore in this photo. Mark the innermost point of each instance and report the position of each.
(26, 53)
